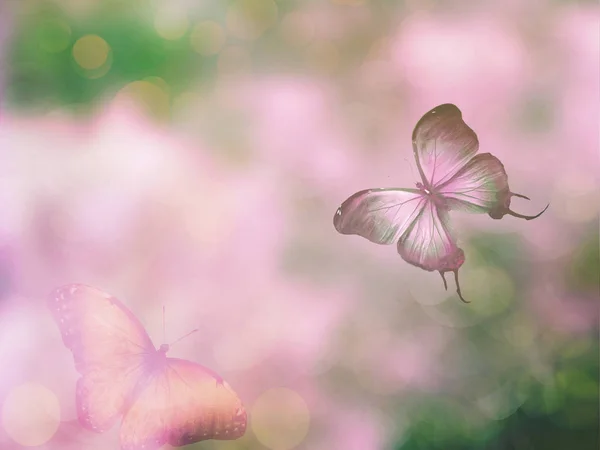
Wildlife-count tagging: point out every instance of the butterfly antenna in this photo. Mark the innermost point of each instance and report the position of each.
(444, 278)
(521, 216)
(183, 337)
(411, 169)
(458, 287)
(519, 195)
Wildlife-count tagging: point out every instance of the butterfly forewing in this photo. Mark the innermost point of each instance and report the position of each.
(442, 144)
(379, 215)
(181, 404)
(109, 346)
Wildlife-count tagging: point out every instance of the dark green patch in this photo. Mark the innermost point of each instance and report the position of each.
(39, 78)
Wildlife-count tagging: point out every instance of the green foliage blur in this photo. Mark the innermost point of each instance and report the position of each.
(43, 74)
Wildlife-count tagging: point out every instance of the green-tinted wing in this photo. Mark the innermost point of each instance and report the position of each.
(379, 215)
(442, 144)
(428, 243)
(481, 187)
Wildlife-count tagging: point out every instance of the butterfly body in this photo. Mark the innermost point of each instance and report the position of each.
(431, 195)
(422, 188)
(160, 399)
(453, 178)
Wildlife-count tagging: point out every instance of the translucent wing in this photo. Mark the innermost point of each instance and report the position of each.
(478, 187)
(481, 186)
(429, 244)
(181, 404)
(109, 347)
(379, 215)
(442, 144)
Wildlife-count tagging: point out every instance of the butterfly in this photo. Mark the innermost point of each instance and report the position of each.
(161, 400)
(453, 178)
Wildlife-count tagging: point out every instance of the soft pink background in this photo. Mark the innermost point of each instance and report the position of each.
(244, 247)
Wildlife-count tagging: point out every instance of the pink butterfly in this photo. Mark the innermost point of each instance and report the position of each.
(162, 400)
(453, 177)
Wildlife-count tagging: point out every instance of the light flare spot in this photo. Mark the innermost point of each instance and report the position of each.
(280, 419)
(501, 402)
(171, 24)
(519, 331)
(91, 52)
(208, 38)
(147, 94)
(31, 414)
(249, 19)
(160, 82)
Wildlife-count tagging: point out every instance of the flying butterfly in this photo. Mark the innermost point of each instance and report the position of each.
(453, 178)
(161, 400)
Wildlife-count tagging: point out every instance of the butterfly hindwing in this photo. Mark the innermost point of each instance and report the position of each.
(442, 144)
(428, 242)
(379, 215)
(109, 346)
(479, 187)
(181, 404)
(445, 149)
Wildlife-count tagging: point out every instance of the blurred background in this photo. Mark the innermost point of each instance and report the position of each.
(192, 154)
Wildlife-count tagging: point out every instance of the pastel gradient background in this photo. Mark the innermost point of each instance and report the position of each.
(192, 154)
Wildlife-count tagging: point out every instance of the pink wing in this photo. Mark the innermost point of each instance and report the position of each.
(481, 186)
(181, 404)
(379, 215)
(429, 244)
(445, 150)
(405, 216)
(478, 187)
(109, 346)
(442, 144)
